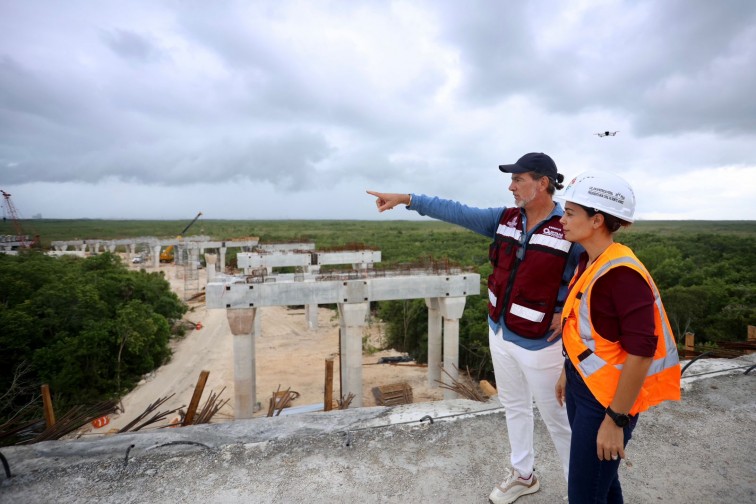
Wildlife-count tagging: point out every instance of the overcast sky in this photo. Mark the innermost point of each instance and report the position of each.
(287, 109)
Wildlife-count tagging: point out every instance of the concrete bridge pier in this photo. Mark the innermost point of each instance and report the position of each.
(352, 319)
(156, 256)
(222, 263)
(434, 341)
(311, 314)
(242, 324)
(210, 262)
(194, 257)
(311, 310)
(451, 309)
(130, 251)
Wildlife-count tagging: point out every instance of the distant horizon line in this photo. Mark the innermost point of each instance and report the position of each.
(318, 219)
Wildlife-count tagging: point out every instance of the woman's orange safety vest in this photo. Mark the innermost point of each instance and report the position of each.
(598, 360)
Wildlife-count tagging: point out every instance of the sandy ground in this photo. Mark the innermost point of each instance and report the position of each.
(288, 355)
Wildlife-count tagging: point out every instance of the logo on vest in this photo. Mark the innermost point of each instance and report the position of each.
(512, 223)
(553, 232)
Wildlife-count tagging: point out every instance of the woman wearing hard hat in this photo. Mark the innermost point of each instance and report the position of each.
(621, 353)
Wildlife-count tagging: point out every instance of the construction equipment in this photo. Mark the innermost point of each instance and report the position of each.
(166, 256)
(18, 239)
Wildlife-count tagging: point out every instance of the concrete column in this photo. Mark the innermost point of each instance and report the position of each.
(222, 263)
(311, 314)
(210, 261)
(352, 319)
(242, 324)
(111, 248)
(311, 311)
(434, 341)
(156, 256)
(451, 309)
(130, 251)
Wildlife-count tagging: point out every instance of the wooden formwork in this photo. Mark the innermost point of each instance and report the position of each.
(393, 394)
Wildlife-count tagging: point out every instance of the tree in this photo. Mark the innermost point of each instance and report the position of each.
(88, 327)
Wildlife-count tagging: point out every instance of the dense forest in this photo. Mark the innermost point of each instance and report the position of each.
(90, 328)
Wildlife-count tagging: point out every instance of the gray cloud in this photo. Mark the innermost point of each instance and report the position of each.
(428, 96)
(673, 67)
(130, 45)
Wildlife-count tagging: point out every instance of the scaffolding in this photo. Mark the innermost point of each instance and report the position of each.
(187, 265)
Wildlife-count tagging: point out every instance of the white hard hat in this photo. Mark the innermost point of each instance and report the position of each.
(602, 191)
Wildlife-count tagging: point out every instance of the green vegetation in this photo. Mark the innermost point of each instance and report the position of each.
(90, 328)
(704, 270)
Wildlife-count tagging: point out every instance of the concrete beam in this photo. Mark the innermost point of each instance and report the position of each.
(347, 257)
(304, 258)
(251, 260)
(236, 293)
(280, 247)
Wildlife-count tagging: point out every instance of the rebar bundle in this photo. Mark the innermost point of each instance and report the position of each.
(132, 426)
(467, 390)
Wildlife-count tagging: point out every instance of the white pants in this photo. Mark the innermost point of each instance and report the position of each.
(521, 376)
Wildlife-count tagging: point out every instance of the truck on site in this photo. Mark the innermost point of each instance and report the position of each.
(167, 256)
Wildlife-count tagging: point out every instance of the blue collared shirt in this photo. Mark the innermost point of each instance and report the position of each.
(485, 221)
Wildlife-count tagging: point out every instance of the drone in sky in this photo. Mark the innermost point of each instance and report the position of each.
(606, 133)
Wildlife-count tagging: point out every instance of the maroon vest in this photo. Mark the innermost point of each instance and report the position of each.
(525, 282)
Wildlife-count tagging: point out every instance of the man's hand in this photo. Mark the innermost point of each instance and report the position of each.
(556, 326)
(560, 389)
(387, 201)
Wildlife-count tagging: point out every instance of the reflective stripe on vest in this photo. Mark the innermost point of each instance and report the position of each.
(526, 313)
(551, 242)
(509, 231)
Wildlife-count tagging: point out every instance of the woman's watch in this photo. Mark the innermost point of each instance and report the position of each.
(620, 419)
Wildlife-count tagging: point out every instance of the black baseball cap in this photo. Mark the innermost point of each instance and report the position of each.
(533, 162)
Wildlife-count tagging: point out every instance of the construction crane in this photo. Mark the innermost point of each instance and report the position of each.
(20, 238)
(166, 256)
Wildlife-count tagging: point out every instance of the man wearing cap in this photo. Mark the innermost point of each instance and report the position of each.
(532, 265)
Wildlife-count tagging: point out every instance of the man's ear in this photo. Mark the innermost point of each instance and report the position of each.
(543, 183)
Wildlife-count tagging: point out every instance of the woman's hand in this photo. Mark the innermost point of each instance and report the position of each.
(610, 441)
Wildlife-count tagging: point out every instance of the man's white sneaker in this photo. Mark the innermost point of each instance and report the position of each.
(513, 487)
